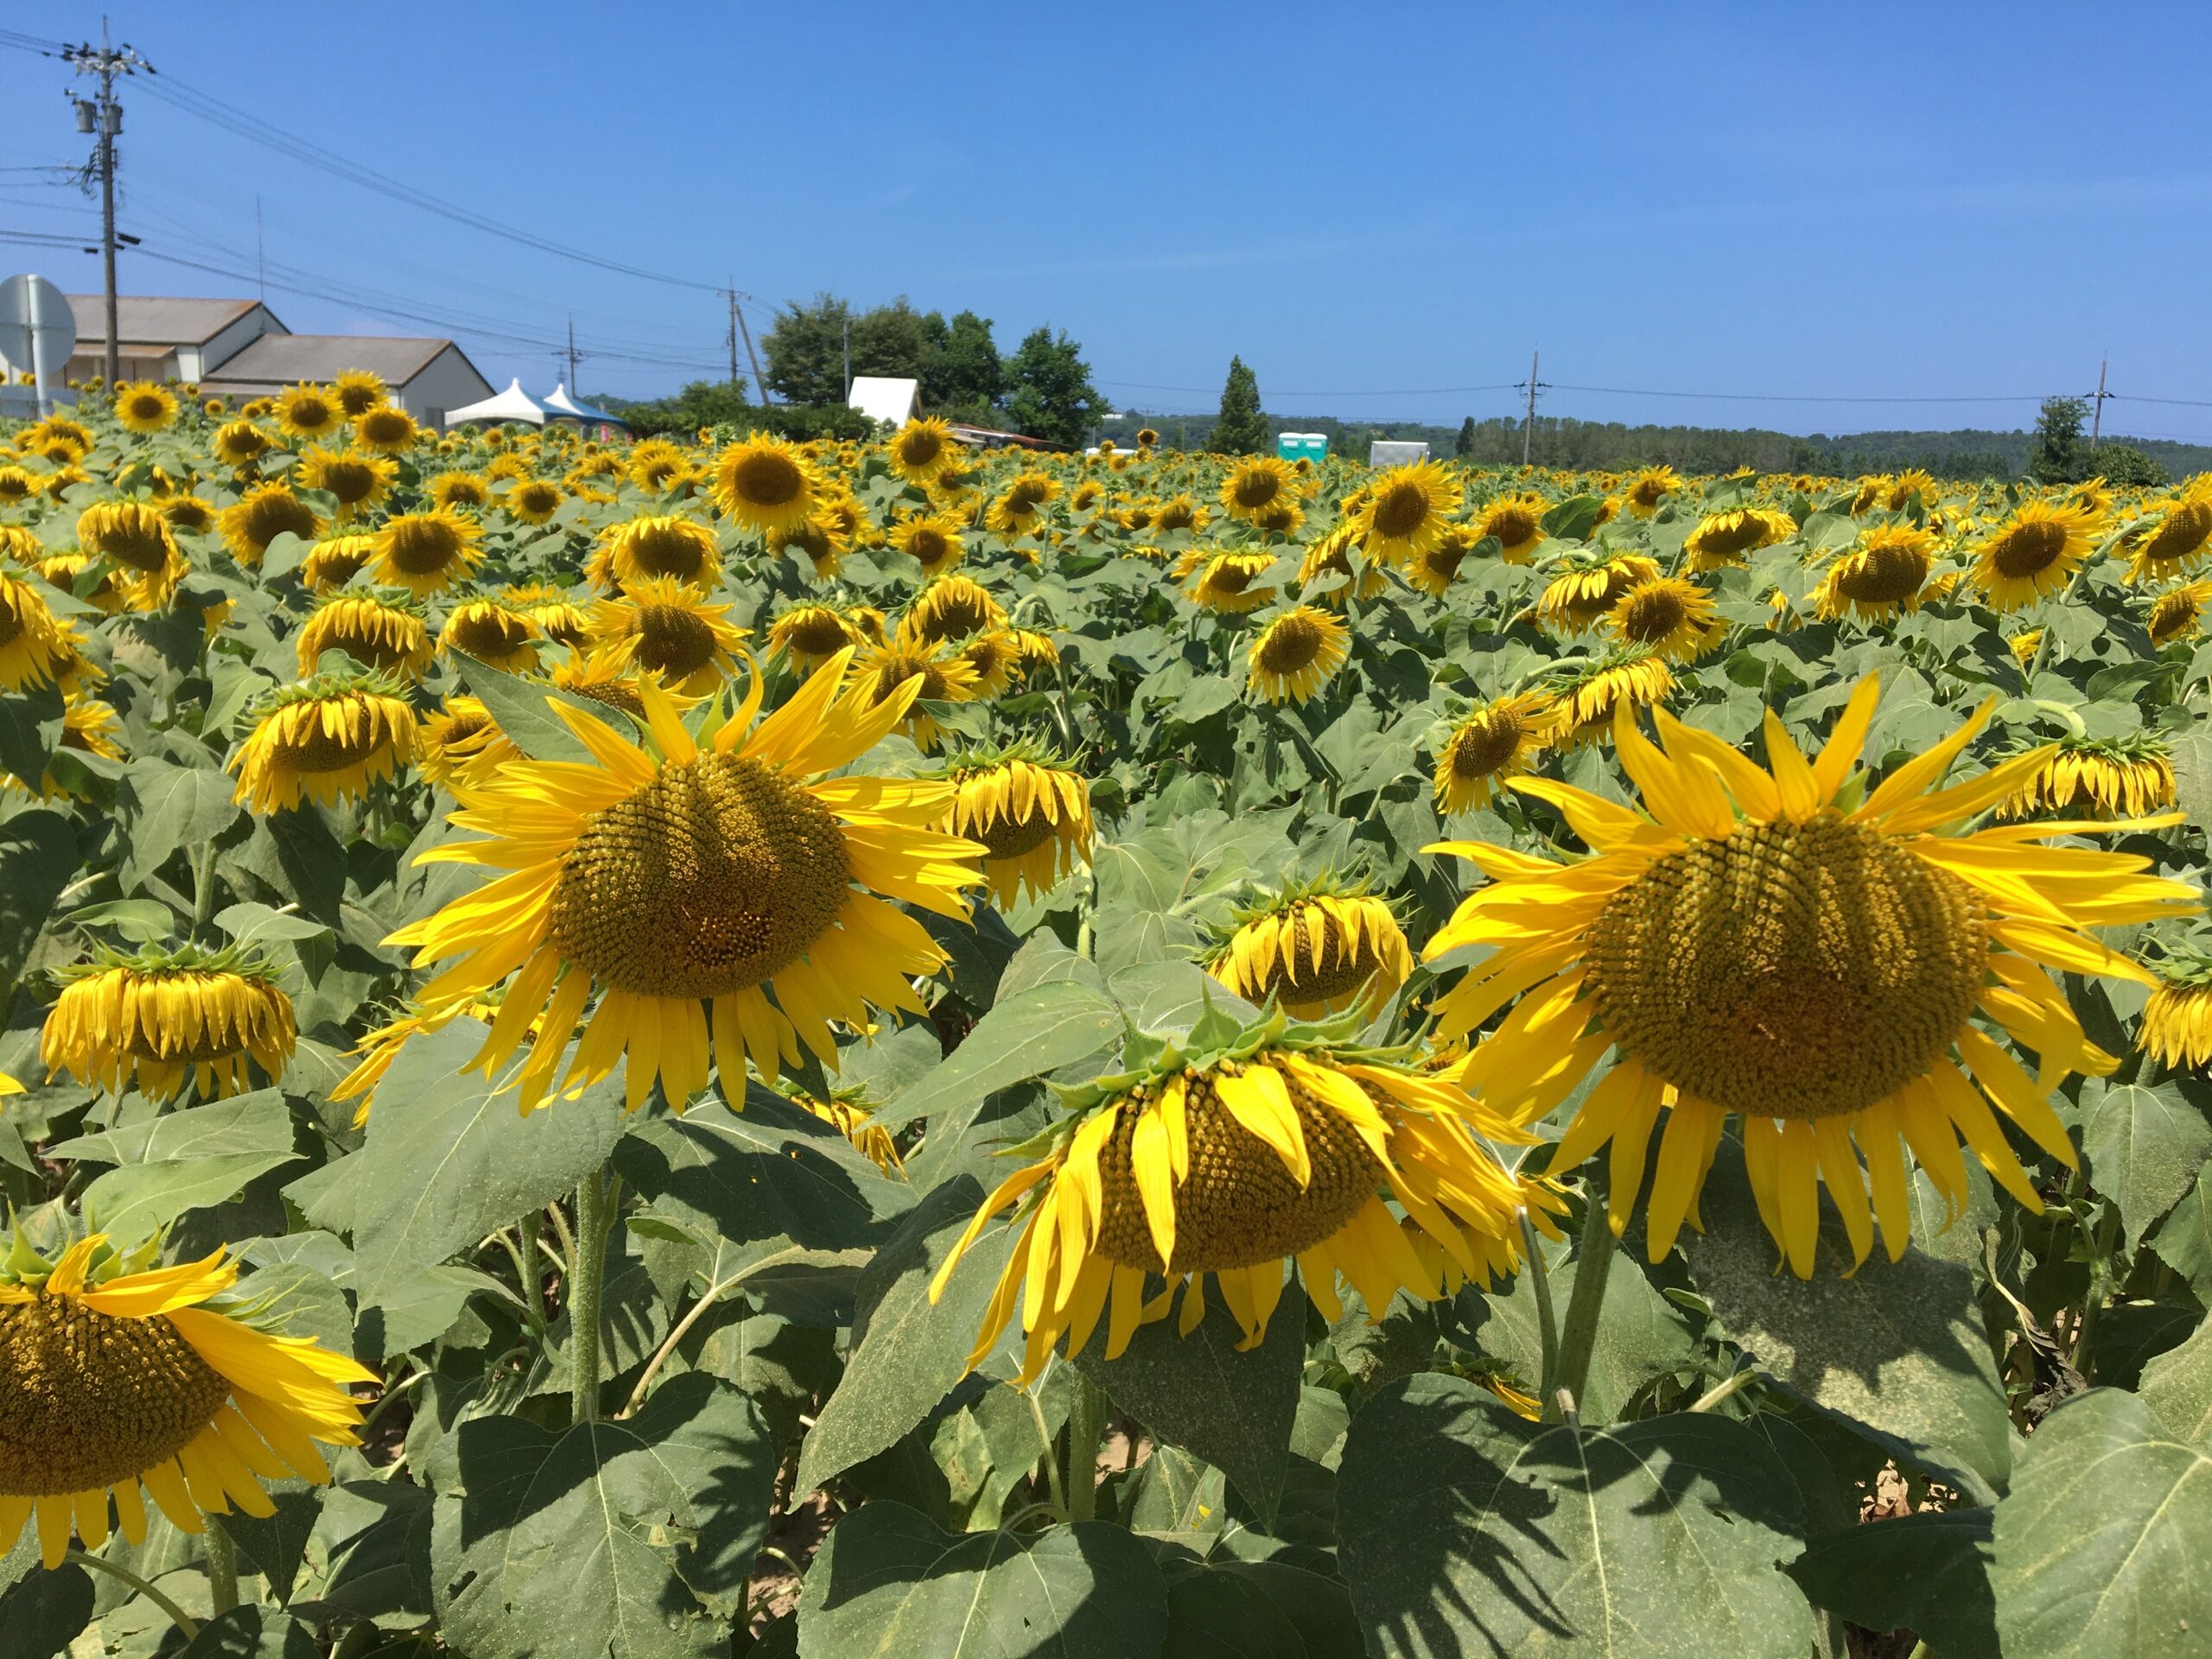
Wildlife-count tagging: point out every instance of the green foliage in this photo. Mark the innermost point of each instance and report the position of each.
(1240, 429)
(961, 372)
(701, 402)
(1464, 445)
(1049, 394)
(2058, 456)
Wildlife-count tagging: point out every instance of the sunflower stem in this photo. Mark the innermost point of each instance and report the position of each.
(1088, 1410)
(1586, 1304)
(1539, 1281)
(222, 1571)
(532, 1274)
(188, 1626)
(1052, 1460)
(2102, 1277)
(586, 1280)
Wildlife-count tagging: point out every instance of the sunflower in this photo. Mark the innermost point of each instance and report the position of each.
(1017, 508)
(886, 669)
(1587, 591)
(239, 443)
(1180, 512)
(1225, 581)
(1146, 437)
(143, 406)
(950, 608)
(462, 741)
(1675, 617)
(1032, 650)
(642, 547)
(2178, 614)
(810, 635)
(1296, 654)
(119, 1379)
(1649, 489)
(1317, 949)
(16, 485)
(167, 1018)
(1247, 1149)
(814, 538)
(764, 483)
(386, 430)
(359, 481)
(310, 412)
(1491, 744)
(660, 625)
(359, 391)
(374, 634)
(37, 647)
(558, 617)
(687, 887)
(932, 540)
(847, 1112)
(1585, 704)
(325, 739)
(134, 535)
(492, 632)
(1517, 521)
(1406, 509)
(452, 491)
(1807, 964)
(1886, 573)
(1255, 484)
(919, 449)
(427, 552)
(260, 516)
(993, 658)
(1030, 811)
(2128, 776)
(1724, 538)
(2179, 539)
(334, 561)
(534, 501)
(88, 727)
(190, 513)
(2176, 1028)
(2035, 552)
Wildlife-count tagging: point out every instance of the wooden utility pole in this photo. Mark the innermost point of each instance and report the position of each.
(1528, 425)
(737, 317)
(2097, 413)
(103, 117)
(572, 354)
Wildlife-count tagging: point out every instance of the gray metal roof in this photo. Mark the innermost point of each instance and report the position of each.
(150, 320)
(286, 360)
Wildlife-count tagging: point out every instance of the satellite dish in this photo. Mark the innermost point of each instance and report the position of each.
(38, 332)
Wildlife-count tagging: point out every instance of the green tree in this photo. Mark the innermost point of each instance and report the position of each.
(2058, 456)
(1464, 445)
(1049, 391)
(894, 339)
(806, 351)
(703, 402)
(1241, 428)
(964, 376)
(2128, 468)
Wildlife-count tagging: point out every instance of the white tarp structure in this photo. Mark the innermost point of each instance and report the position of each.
(885, 398)
(560, 403)
(512, 405)
(1387, 452)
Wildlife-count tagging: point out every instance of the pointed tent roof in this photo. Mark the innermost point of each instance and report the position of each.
(561, 403)
(886, 398)
(512, 405)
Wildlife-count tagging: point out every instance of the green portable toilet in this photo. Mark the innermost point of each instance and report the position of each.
(1301, 445)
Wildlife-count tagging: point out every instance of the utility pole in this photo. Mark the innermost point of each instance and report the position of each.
(849, 360)
(737, 315)
(260, 260)
(1528, 424)
(103, 115)
(573, 355)
(732, 338)
(2097, 414)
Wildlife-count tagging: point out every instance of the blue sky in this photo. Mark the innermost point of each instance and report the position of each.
(1884, 202)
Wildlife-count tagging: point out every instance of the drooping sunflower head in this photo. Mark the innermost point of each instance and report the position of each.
(452, 491)
(1725, 539)
(1180, 512)
(335, 561)
(170, 1017)
(2176, 1027)
(136, 536)
(360, 481)
(1648, 490)
(1673, 617)
(17, 485)
(1517, 520)
(764, 483)
(816, 541)
(373, 633)
(2033, 553)
(1491, 743)
(386, 430)
(1586, 593)
(426, 553)
(1319, 948)
(679, 549)
(950, 608)
(1296, 654)
(260, 516)
(662, 625)
(810, 635)
(932, 540)
(1018, 508)
(919, 449)
(309, 411)
(1406, 511)
(1584, 703)
(325, 739)
(1788, 946)
(191, 513)
(1329, 574)
(462, 743)
(359, 391)
(686, 886)
(852, 1113)
(993, 657)
(491, 631)
(2178, 614)
(239, 443)
(37, 648)
(885, 669)
(1233, 1151)
(121, 1380)
(145, 406)
(2181, 537)
(534, 501)
(1226, 581)
(1886, 573)
(1255, 486)
(2130, 777)
(1029, 810)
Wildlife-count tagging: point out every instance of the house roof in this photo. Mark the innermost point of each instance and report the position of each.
(286, 359)
(150, 320)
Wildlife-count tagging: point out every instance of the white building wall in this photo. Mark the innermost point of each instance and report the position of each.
(446, 382)
(197, 362)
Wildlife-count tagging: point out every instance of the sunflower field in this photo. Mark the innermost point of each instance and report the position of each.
(656, 1051)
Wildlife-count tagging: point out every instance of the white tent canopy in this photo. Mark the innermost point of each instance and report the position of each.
(560, 403)
(885, 398)
(512, 405)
